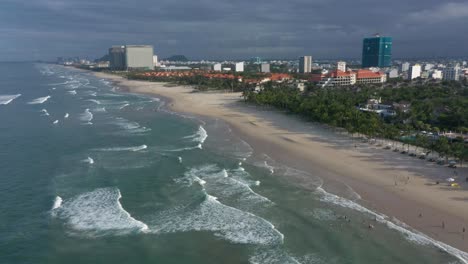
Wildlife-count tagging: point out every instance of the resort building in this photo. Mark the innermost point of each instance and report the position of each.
(341, 66)
(346, 78)
(131, 57)
(117, 58)
(217, 67)
(139, 57)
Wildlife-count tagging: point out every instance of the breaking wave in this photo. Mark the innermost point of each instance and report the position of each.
(6, 99)
(44, 112)
(98, 213)
(40, 100)
(226, 222)
(87, 116)
(136, 148)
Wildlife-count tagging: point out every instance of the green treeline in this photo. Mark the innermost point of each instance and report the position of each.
(434, 108)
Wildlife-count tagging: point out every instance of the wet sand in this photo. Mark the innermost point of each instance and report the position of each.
(388, 182)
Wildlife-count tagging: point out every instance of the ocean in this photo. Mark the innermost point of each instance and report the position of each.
(89, 174)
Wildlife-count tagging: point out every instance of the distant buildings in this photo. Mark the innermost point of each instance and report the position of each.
(341, 66)
(131, 57)
(217, 67)
(117, 58)
(405, 66)
(451, 73)
(377, 52)
(393, 73)
(414, 72)
(265, 67)
(437, 75)
(155, 60)
(239, 67)
(305, 64)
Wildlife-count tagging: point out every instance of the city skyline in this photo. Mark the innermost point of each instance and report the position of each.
(45, 29)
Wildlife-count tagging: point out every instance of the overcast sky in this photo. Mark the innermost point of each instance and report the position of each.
(234, 29)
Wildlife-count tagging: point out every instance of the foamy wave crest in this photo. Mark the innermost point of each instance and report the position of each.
(200, 136)
(94, 101)
(137, 148)
(87, 116)
(6, 99)
(123, 106)
(72, 92)
(221, 182)
(98, 213)
(226, 222)
(55, 122)
(57, 202)
(44, 112)
(412, 235)
(40, 100)
(129, 126)
(89, 160)
(66, 115)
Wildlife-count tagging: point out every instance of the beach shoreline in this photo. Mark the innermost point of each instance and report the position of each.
(390, 183)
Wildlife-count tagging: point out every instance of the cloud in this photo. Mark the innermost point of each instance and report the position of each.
(225, 29)
(447, 11)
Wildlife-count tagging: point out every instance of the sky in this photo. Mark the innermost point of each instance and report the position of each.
(234, 29)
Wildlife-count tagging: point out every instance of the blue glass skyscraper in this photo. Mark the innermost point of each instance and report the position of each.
(377, 52)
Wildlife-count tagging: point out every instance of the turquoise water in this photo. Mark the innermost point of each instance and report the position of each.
(90, 175)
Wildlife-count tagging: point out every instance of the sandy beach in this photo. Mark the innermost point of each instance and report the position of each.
(388, 182)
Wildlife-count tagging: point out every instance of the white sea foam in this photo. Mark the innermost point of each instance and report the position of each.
(40, 100)
(200, 136)
(180, 159)
(87, 116)
(94, 101)
(129, 126)
(72, 92)
(98, 213)
(123, 106)
(99, 109)
(136, 148)
(89, 160)
(66, 115)
(410, 234)
(226, 222)
(56, 122)
(6, 99)
(44, 112)
(233, 183)
(57, 202)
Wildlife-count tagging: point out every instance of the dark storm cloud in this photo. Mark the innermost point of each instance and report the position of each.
(44, 29)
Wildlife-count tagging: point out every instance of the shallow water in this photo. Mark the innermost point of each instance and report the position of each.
(124, 180)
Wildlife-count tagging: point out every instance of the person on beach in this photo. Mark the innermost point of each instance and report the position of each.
(443, 224)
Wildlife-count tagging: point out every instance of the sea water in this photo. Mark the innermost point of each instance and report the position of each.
(92, 175)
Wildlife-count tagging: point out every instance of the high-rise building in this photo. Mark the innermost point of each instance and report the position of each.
(217, 67)
(341, 66)
(117, 58)
(414, 72)
(265, 67)
(393, 73)
(155, 60)
(239, 67)
(451, 73)
(139, 57)
(305, 64)
(377, 52)
(405, 66)
(437, 75)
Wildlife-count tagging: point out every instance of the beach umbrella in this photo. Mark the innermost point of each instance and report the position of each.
(450, 179)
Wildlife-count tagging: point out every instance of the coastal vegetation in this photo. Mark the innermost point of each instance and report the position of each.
(434, 108)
